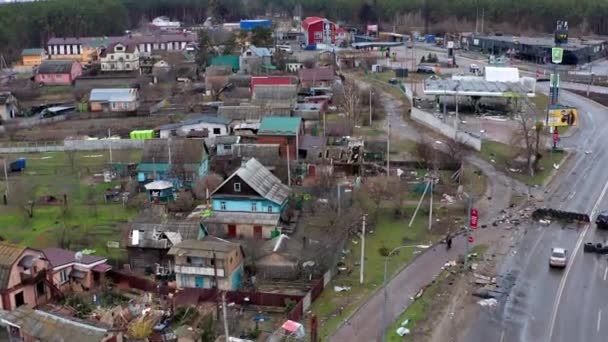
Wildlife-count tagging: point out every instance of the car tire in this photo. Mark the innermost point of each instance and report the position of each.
(589, 247)
(603, 250)
(598, 247)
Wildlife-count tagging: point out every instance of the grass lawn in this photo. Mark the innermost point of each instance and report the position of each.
(501, 155)
(388, 233)
(421, 308)
(88, 221)
(417, 311)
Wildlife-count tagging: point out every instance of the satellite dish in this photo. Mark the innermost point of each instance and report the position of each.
(78, 256)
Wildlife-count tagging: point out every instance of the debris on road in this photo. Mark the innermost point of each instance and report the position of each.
(447, 198)
(544, 222)
(451, 263)
(490, 302)
(342, 288)
(483, 280)
(402, 331)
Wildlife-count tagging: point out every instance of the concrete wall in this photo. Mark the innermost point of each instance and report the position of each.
(76, 145)
(437, 125)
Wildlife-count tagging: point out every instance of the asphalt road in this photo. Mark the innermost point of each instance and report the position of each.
(363, 325)
(559, 305)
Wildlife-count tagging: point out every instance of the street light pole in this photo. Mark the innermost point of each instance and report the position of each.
(384, 284)
(362, 252)
(370, 106)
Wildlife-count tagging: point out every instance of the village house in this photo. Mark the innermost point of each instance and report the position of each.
(279, 259)
(208, 263)
(323, 77)
(83, 48)
(24, 277)
(248, 204)
(275, 100)
(32, 57)
(209, 125)
(120, 57)
(224, 144)
(58, 72)
(253, 59)
(74, 271)
(271, 80)
(8, 106)
(181, 161)
(285, 131)
(318, 30)
(231, 61)
(114, 100)
(28, 325)
(149, 241)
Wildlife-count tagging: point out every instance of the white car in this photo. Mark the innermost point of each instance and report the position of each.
(559, 257)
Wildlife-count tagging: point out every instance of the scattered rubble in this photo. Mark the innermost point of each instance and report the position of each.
(342, 288)
(490, 302)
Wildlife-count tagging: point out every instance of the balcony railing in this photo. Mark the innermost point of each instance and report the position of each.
(207, 271)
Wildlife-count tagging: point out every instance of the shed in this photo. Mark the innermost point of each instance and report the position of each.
(114, 99)
(231, 61)
(160, 191)
(280, 126)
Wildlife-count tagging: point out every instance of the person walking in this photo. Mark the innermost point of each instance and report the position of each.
(448, 241)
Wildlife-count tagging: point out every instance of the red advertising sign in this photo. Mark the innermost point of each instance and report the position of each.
(471, 239)
(474, 218)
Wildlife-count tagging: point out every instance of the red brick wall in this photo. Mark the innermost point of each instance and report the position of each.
(283, 141)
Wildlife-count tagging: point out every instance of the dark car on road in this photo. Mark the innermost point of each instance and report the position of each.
(602, 220)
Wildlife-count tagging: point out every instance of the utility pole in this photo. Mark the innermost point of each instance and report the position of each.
(388, 150)
(288, 168)
(370, 106)
(6, 191)
(590, 79)
(431, 204)
(362, 252)
(225, 314)
(483, 12)
(419, 203)
(468, 227)
(110, 145)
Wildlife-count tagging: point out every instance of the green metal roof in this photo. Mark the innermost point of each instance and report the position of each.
(279, 125)
(150, 167)
(229, 60)
(32, 52)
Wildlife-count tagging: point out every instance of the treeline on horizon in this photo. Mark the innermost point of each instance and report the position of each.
(30, 24)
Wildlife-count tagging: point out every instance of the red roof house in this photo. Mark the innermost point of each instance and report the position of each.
(319, 30)
(271, 80)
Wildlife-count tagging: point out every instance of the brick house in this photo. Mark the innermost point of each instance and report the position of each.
(285, 131)
(58, 72)
(24, 277)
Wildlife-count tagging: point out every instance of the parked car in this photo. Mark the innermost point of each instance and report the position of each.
(602, 220)
(558, 258)
(474, 69)
(425, 69)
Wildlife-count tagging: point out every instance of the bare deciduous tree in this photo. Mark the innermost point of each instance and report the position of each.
(525, 136)
(207, 184)
(349, 100)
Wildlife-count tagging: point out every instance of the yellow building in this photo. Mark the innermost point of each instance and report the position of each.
(33, 57)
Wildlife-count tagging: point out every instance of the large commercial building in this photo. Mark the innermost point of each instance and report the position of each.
(536, 49)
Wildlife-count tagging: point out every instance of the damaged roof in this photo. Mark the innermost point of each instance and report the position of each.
(261, 180)
(151, 235)
(205, 248)
(56, 66)
(50, 327)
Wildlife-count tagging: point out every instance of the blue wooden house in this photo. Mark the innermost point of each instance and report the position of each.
(248, 204)
(180, 161)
